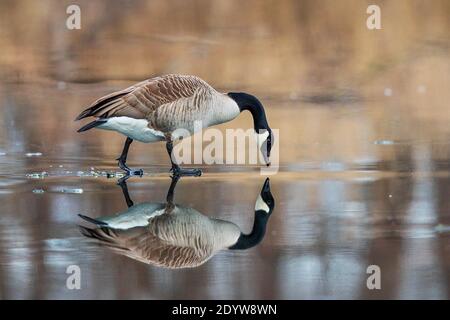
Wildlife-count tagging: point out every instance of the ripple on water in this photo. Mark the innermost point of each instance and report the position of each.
(37, 175)
(72, 190)
(33, 154)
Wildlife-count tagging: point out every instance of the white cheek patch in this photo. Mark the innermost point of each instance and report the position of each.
(261, 205)
(262, 138)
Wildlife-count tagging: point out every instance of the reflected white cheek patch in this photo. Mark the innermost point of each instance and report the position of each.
(261, 205)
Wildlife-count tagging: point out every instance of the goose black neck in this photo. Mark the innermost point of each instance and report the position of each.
(248, 102)
(246, 241)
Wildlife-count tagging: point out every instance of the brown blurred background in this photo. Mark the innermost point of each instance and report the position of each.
(291, 51)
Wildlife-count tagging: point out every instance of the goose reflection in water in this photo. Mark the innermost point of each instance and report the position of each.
(173, 236)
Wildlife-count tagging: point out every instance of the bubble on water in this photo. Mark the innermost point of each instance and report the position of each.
(114, 174)
(37, 175)
(97, 174)
(293, 96)
(33, 154)
(94, 174)
(38, 191)
(333, 166)
(390, 196)
(72, 190)
(384, 142)
(61, 85)
(61, 166)
(442, 228)
(421, 89)
(387, 92)
(87, 174)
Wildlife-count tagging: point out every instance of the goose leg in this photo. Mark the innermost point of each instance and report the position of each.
(171, 192)
(176, 170)
(123, 160)
(122, 182)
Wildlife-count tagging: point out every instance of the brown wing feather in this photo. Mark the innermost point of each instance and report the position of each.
(141, 244)
(145, 97)
(103, 102)
(151, 249)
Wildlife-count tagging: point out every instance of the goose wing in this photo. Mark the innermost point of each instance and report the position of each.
(145, 97)
(143, 245)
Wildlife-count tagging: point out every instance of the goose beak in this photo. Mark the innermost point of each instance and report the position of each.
(265, 199)
(266, 160)
(266, 186)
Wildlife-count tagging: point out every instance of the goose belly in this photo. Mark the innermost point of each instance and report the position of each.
(186, 227)
(198, 121)
(136, 129)
(188, 116)
(226, 234)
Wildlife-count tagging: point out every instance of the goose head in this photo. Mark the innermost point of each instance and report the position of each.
(264, 134)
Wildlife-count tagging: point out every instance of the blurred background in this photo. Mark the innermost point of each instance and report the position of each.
(364, 144)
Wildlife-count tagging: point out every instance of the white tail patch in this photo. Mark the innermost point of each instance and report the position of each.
(136, 216)
(136, 129)
(261, 205)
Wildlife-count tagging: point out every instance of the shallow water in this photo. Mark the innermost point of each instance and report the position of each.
(332, 220)
(364, 156)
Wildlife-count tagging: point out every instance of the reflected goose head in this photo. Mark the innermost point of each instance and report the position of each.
(173, 236)
(265, 203)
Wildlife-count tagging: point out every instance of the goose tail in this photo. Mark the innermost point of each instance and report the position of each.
(105, 235)
(92, 124)
(101, 107)
(94, 221)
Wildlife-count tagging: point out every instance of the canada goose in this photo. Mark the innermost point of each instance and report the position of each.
(173, 236)
(154, 109)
